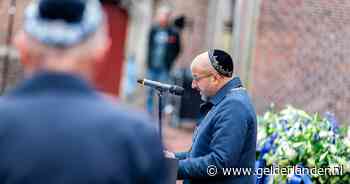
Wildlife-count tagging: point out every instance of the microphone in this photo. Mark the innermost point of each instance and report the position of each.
(173, 89)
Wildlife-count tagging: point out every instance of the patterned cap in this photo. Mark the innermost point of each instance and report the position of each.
(63, 23)
(221, 61)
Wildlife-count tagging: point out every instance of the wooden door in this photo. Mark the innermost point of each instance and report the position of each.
(108, 73)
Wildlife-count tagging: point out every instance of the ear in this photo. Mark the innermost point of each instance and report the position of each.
(102, 50)
(214, 79)
(105, 44)
(20, 43)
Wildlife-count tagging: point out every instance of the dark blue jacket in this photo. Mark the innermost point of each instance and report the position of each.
(54, 129)
(172, 46)
(225, 138)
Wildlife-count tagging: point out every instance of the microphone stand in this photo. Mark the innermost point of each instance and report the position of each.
(160, 94)
(172, 163)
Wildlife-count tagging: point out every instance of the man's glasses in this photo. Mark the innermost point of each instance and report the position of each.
(195, 78)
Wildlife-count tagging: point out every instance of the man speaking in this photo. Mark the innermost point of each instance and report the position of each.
(226, 135)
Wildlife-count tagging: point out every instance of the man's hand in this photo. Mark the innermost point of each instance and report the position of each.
(169, 154)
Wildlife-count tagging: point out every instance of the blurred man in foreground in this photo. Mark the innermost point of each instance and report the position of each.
(226, 135)
(54, 128)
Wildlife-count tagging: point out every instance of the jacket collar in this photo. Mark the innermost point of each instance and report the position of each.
(219, 96)
(53, 81)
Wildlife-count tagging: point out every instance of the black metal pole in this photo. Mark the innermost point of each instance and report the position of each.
(160, 95)
(12, 13)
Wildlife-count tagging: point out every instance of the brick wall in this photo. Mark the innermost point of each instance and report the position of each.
(4, 6)
(14, 67)
(14, 72)
(302, 56)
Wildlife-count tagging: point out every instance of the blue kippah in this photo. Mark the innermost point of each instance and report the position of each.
(67, 10)
(63, 23)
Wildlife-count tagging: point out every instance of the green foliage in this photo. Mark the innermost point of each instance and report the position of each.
(305, 139)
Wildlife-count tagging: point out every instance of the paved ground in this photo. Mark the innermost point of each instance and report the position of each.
(180, 138)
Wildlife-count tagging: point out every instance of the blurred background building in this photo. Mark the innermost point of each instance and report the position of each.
(286, 52)
(302, 56)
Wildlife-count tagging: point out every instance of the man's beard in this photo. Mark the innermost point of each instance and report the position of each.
(204, 98)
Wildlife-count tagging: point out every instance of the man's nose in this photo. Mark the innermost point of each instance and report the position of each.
(194, 84)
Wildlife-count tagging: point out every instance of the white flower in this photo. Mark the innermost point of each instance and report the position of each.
(347, 142)
(332, 149)
(261, 136)
(290, 152)
(325, 134)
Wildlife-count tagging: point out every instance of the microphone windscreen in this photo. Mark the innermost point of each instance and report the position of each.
(179, 90)
(140, 81)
